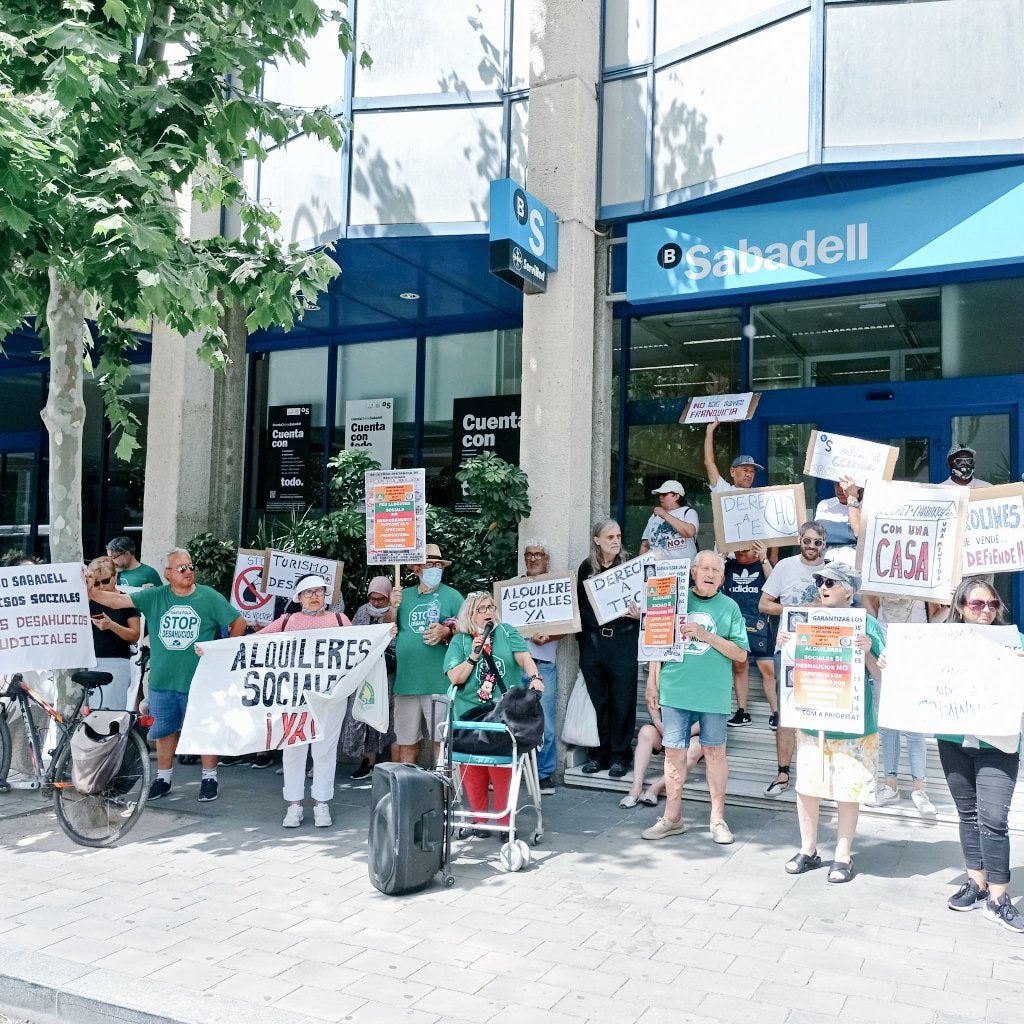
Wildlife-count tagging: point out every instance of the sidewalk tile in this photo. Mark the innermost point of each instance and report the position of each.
(599, 1009)
(254, 988)
(448, 1002)
(537, 994)
(799, 997)
(327, 977)
(398, 992)
(384, 964)
(319, 1003)
(593, 982)
(460, 978)
(728, 1007)
(192, 976)
(864, 1009)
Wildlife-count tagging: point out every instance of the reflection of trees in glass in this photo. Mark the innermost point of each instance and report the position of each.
(683, 154)
(393, 202)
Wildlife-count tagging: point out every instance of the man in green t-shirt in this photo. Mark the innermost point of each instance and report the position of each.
(180, 615)
(698, 689)
(130, 571)
(422, 642)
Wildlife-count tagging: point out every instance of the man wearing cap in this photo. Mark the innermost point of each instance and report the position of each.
(181, 615)
(671, 530)
(960, 459)
(130, 571)
(741, 470)
(420, 649)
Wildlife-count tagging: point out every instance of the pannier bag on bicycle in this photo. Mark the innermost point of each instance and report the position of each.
(97, 750)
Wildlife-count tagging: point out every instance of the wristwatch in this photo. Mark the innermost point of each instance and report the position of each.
(852, 503)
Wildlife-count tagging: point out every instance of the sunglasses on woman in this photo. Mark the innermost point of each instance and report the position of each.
(981, 606)
(821, 581)
(103, 583)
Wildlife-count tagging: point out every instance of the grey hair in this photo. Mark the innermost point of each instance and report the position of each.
(469, 606)
(712, 554)
(813, 524)
(176, 551)
(595, 552)
(537, 542)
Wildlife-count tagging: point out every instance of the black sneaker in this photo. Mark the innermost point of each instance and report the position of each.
(773, 721)
(262, 760)
(591, 768)
(364, 771)
(158, 788)
(1005, 913)
(967, 897)
(188, 759)
(547, 785)
(740, 718)
(228, 760)
(207, 790)
(617, 771)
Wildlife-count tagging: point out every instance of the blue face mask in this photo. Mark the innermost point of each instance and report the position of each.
(431, 577)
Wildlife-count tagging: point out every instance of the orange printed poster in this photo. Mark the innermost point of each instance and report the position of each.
(823, 668)
(394, 517)
(660, 606)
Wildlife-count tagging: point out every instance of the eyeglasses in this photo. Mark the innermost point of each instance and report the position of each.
(812, 542)
(823, 582)
(184, 568)
(981, 606)
(378, 597)
(434, 565)
(486, 607)
(535, 554)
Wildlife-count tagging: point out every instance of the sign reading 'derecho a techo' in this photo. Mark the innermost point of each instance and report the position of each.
(771, 515)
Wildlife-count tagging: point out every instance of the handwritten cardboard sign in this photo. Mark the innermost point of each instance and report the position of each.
(822, 684)
(283, 569)
(911, 542)
(396, 517)
(544, 604)
(954, 678)
(723, 408)
(833, 456)
(611, 592)
(247, 587)
(663, 609)
(772, 515)
(994, 534)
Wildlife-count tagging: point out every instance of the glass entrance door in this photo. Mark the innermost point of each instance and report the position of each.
(18, 491)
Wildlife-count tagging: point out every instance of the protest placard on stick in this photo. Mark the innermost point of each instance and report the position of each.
(833, 456)
(611, 592)
(396, 517)
(663, 610)
(720, 408)
(994, 533)
(771, 515)
(543, 604)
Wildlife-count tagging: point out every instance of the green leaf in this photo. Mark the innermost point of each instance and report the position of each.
(116, 10)
(15, 218)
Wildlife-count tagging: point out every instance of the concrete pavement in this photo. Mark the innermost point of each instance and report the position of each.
(212, 913)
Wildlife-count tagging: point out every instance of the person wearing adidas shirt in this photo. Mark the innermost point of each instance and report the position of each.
(671, 530)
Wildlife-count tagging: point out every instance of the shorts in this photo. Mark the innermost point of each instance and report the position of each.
(844, 771)
(412, 717)
(168, 710)
(678, 723)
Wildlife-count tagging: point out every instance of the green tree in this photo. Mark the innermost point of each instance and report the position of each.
(109, 111)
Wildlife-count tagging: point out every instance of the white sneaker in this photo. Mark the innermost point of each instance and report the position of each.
(293, 816)
(721, 833)
(924, 806)
(322, 816)
(663, 828)
(886, 795)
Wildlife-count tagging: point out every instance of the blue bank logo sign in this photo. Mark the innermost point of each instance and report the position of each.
(524, 237)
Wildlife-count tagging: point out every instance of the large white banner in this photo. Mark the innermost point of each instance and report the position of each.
(44, 618)
(272, 690)
(953, 678)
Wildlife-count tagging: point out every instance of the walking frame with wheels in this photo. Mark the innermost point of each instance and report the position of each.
(98, 819)
(514, 853)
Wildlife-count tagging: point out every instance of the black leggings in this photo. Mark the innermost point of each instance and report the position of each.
(609, 667)
(981, 782)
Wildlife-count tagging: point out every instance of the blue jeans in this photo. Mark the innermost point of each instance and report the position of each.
(916, 751)
(547, 755)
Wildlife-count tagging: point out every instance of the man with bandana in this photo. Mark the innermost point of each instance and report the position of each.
(960, 459)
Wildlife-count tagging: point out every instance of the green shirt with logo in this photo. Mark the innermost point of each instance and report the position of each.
(421, 666)
(176, 625)
(506, 643)
(139, 576)
(702, 681)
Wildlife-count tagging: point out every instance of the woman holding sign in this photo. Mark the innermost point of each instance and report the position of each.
(841, 766)
(981, 779)
(608, 659)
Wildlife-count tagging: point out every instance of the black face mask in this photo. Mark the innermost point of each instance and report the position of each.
(962, 470)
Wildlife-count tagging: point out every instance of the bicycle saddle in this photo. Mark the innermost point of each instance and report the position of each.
(90, 680)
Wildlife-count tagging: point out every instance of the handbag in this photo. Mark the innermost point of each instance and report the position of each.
(580, 726)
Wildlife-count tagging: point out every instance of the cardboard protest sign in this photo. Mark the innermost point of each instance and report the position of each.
(822, 684)
(396, 517)
(543, 604)
(994, 534)
(723, 408)
(246, 587)
(273, 690)
(611, 592)
(283, 569)
(954, 678)
(44, 618)
(833, 456)
(772, 515)
(663, 609)
(911, 539)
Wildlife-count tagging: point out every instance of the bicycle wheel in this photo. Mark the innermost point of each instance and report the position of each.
(104, 818)
(5, 755)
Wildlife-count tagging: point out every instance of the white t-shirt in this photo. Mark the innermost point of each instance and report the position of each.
(975, 482)
(663, 540)
(792, 582)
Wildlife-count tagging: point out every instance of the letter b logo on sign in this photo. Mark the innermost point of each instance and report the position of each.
(520, 205)
(670, 255)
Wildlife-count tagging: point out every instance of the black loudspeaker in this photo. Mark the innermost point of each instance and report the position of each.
(406, 839)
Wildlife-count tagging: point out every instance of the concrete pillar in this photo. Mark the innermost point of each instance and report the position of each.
(564, 430)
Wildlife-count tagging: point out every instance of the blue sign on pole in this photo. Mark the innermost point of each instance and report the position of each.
(524, 237)
(940, 224)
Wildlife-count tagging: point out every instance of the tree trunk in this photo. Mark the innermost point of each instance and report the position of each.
(64, 416)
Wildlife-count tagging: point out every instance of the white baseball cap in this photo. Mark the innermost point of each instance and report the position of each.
(310, 583)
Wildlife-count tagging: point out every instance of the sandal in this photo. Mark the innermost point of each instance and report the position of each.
(648, 799)
(777, 788)
(629, 801)
(840, 871)
(801, 862)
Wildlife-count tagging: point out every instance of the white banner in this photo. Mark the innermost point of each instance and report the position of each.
(543, 604)
(611, 592)
(368, 428)
(994, 537)
(285, 568)
(44, 618)
(954, 678)
(272, 690)
(833, 456)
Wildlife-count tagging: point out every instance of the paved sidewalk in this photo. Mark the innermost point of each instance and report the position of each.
(211, 913)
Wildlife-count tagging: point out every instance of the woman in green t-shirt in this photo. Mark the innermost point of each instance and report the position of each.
(474, 685)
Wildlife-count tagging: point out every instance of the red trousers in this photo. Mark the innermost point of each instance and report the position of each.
(475, 778)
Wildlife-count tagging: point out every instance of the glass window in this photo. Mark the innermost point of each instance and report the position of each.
(318, 82)
(24, 395)
(931, 71)
(627, 30)
(684, 21)
(301, 183)
(424, 166)
(17, 505)
(518, 143)
(983, 328)
(446, 46)
(521, 15)
(708, 125)
(380, 369)
(624, 141)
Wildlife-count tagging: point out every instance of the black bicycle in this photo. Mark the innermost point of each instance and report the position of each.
(89, 819)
